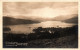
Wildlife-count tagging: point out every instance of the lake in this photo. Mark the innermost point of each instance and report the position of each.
(27, 28)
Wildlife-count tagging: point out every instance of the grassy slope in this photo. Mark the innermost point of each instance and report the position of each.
(62, 42)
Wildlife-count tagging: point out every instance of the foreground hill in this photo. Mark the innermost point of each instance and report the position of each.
(14, 21)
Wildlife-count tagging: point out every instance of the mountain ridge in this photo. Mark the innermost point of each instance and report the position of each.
(14, 21)
(72, 20)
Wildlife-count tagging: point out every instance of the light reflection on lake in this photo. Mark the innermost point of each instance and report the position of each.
(27, 28)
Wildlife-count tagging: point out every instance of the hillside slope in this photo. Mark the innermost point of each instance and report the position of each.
(14, 21)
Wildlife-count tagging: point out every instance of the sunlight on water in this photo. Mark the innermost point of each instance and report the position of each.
(27, 28)
(55, 24)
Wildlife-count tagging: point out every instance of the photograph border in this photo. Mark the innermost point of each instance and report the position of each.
(1, 24)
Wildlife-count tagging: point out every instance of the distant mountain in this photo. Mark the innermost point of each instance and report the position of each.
(32, 18)
(72, 20)
(65, 17)
(15, 21)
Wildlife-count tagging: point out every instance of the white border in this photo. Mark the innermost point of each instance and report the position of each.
(1, 44)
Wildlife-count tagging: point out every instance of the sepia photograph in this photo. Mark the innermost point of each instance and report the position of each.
(40, 25)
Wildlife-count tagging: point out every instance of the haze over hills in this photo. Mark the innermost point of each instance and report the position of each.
(14, 21)
(68, 18)
(65, 17)
(39, 19)
(72, 20)
(28, 20)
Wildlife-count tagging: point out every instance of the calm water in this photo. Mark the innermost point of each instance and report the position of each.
(27, 28)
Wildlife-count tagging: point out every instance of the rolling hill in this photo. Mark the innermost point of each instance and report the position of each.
(64, 17)
(14, 21)
(72, 20)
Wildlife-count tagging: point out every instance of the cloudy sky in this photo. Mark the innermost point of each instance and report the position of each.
(39, 9)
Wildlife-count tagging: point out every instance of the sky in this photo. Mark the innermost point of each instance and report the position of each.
(46, 10)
